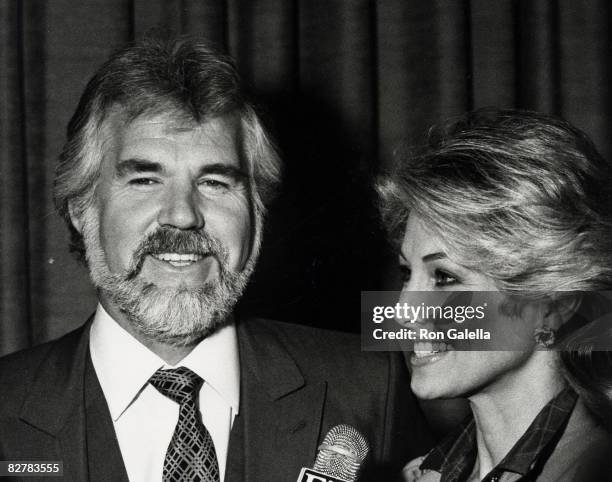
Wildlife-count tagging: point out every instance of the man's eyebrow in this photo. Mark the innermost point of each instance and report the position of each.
(433, 256)
(233, 172)
(130, 166)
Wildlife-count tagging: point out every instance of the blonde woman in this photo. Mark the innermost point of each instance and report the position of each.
(521, 204)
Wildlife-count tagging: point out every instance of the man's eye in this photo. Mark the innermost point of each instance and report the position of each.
(214, 184)
(405, 273)
(442, 278)
(142, 181)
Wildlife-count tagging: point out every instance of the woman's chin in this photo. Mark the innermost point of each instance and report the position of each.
(428, 387)
(428, 391)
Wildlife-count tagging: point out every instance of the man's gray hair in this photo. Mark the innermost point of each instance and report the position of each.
(183, 77)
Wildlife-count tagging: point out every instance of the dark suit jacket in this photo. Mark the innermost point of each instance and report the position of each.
(296, 383)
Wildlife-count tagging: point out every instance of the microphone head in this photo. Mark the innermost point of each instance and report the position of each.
(342, 452)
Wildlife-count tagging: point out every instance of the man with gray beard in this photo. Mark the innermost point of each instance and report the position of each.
(163, 183)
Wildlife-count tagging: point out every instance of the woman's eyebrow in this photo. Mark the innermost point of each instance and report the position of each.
(427, 257)
(433, 256)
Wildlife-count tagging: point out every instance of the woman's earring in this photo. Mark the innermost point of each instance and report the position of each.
(544, 337)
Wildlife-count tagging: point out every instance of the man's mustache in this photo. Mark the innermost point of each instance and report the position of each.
(172, 240)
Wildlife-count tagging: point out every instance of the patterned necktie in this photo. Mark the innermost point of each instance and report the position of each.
(191, 454)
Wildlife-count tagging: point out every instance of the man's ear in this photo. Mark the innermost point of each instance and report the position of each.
(561, 309)
(75, 217)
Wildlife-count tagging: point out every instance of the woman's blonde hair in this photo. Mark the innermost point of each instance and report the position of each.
(525, 199)
(522, 197)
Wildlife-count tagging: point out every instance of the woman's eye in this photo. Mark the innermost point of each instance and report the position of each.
(215, 183)
(405, 273)
(442, 278)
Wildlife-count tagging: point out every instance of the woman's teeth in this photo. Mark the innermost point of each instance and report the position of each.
(427, 348)
(176, 259)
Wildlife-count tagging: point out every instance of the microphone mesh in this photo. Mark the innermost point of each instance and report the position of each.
(342, 453)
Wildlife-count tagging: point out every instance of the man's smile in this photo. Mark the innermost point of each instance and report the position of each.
(179, 260)
(173, 269)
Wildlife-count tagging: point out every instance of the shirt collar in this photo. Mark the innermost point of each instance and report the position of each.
(455, 456)
(124, 365)
(216, 360)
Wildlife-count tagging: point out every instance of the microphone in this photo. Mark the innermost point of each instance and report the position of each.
(339, 457)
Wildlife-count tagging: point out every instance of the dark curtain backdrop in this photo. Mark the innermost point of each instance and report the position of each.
(342, 83)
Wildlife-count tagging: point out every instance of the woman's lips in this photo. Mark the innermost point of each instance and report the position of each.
(427, 352)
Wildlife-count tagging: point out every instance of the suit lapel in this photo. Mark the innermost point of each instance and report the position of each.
(103, 453)
(55, 401)
(279, 424)
(59, 405)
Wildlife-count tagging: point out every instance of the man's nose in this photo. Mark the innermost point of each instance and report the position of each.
(181, 209)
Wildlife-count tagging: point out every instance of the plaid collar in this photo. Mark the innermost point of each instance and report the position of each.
(455, 456)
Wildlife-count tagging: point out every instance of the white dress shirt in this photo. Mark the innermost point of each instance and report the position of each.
(143, 418)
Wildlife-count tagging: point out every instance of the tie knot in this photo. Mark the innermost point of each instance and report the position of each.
(179, 384)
